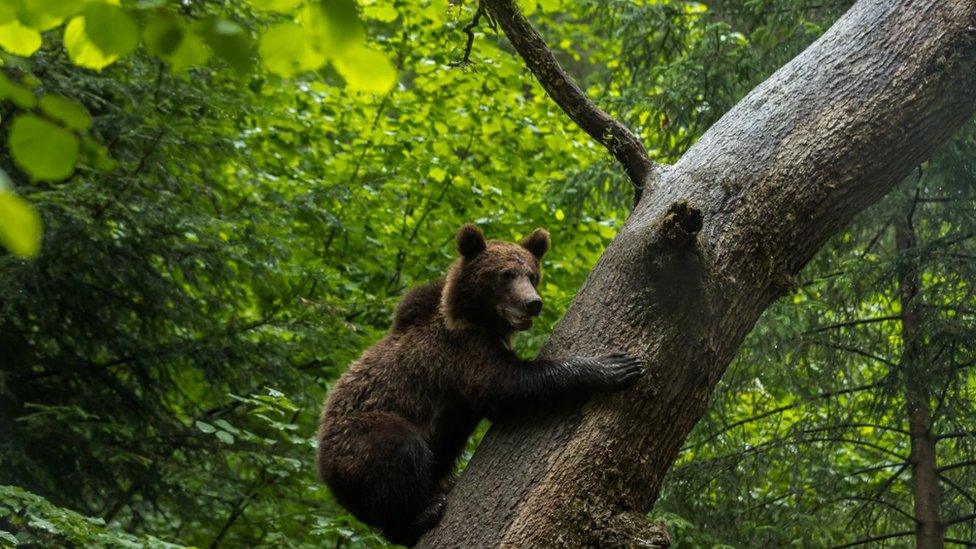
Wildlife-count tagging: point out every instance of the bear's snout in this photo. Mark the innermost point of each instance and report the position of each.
(533, 305)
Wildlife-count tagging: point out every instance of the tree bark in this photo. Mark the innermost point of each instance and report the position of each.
(711, 244)
(917, 380)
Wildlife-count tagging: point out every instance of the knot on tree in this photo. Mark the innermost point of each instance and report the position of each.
(677, 228)
(676, 265)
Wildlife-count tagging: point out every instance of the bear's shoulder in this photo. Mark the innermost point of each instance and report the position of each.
(418, 305)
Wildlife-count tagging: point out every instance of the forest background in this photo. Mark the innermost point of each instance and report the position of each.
(210, 208)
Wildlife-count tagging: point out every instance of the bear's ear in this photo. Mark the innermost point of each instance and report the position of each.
(470, 241)
(537, 243)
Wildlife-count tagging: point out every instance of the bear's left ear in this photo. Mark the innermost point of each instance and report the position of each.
(537, 243)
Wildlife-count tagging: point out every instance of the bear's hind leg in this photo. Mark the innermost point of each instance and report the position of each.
(400, 496)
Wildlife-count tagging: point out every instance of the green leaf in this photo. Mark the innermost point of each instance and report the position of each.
(366, 70)
(21, 95)
(275, 5)
(7, 13)
(82, 51)
(163, 34)
(111, 29)
(205, 427)
(20, 226)
(334, 26)
(230, 41)
(44, 150)
(346, 28)
(381, 12)
(67, 111)
(225, 437)
(285, 50)
(18, 39)
(223, 424)
(42, 15)
(167, 37)
(9, 538)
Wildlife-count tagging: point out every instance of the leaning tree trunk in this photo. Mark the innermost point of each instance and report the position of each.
(714, 240)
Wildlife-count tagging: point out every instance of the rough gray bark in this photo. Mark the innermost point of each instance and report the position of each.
(923, 457)
(790, 165)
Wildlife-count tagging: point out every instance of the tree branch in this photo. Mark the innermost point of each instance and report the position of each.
(875, 538)
(613, 135)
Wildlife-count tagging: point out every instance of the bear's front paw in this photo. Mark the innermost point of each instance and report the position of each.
(619, 370)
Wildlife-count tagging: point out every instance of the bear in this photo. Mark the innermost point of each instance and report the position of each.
(396, 421)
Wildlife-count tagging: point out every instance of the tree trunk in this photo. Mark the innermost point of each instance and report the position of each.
(714, 240)
(917, 381)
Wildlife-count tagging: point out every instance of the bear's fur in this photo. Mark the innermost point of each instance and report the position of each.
(396, 421)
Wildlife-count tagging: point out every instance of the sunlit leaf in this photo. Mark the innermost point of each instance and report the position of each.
(333, 26)
(384, 12)
(285, 50)
(366, 70)
(81, 49)
(18, 39)
(20, 225)
(66, 110)
(43, 149)
(21, 95)
(275, 5)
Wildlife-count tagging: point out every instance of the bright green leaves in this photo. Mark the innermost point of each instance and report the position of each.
(101, 35)
(47, 147)
(19, 39)
(275, 5)
(322, 32)
(43, 149)
(81, 49)
(286, 50)
(97, 33)
(111, 29)
(366, 70)
(20, 226)
(67, 111)
(19, 94)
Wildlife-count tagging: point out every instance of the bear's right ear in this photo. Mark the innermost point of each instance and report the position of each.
(537, 242)
(470, 241)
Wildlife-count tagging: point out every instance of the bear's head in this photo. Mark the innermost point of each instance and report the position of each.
(493, 283)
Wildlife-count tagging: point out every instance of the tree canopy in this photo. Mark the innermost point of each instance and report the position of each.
(208, 209)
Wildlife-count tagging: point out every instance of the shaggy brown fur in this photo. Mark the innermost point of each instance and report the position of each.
(396, 421)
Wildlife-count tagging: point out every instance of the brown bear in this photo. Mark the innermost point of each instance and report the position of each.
(396, 421)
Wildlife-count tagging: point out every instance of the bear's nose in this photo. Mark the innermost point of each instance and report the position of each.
(533, 306)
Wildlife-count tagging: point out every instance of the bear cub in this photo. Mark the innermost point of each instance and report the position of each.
(396, 421)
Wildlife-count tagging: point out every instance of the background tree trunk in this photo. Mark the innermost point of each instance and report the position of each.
(918, 397)
(767, 185)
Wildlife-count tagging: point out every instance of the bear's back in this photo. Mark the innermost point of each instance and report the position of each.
(418, 305)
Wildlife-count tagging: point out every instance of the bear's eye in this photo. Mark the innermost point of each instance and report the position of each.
(507, 276)
(534, 279)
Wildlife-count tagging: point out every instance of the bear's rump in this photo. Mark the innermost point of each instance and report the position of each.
(372, 460)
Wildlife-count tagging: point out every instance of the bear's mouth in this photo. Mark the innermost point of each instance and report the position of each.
(516, 319)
